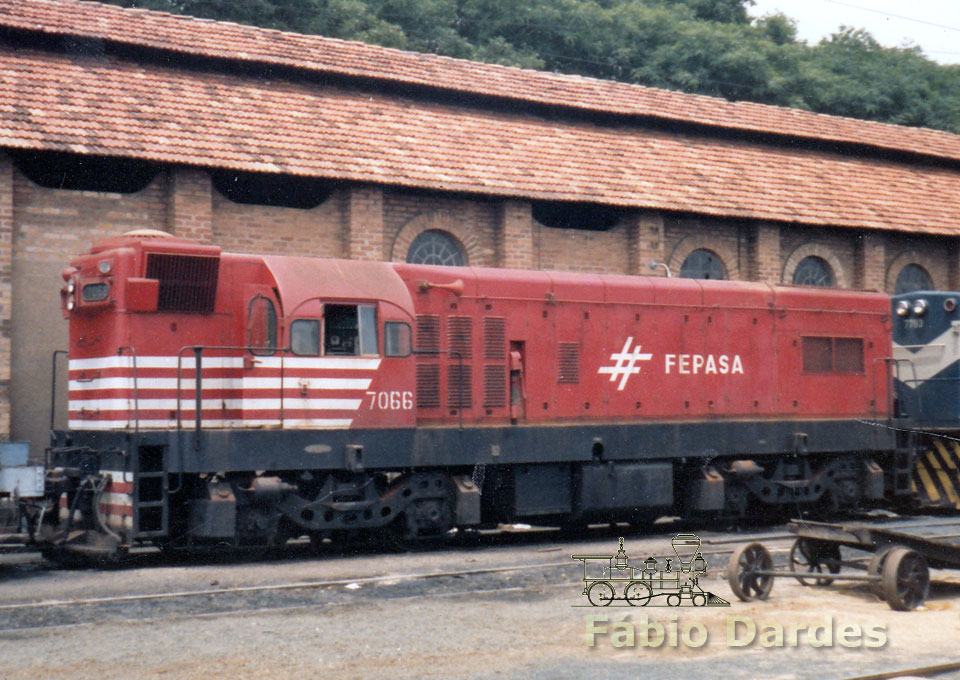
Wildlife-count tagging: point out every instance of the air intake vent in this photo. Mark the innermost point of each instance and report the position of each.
(428, 386)
(494, 338)
(494, 386)
(568, 354)
(460, 336)
(428, 333)
(188, 283)
(459, 386)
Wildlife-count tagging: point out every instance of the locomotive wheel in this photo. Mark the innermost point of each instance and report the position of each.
(673, 600)
(906, 579)
(812, 557)
(699, 600)
(637, 594)
(601, 594)
(743, 562)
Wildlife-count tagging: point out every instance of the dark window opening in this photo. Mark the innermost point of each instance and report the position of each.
(813, 271)
(437, 247)
(703, 264)
(262, 326)
(76, 172)
(837, 355)
(188, 283)
(566, 215)
(305, 337)
(912, 278)
(283, 191)
(350, 330)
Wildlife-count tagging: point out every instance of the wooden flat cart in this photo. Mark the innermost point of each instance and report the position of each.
(898, 570)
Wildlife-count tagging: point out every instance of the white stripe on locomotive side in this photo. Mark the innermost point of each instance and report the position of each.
(313, 383)
(187, 404)
(188, 362)
(308, 423)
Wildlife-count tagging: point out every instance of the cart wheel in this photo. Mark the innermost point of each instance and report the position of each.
(601, 594)
(906, 579)
(637, 594)
(743, 562)
(812, 556)
(673, 600)
(875, 568)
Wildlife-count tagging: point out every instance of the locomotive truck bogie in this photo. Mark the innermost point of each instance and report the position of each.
(241, 399)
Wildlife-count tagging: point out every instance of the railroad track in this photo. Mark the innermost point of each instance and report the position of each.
(279, 596)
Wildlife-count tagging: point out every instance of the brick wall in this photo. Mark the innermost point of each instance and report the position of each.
(576, 250)
(6, 291)
(475, 223)
(52, 224)
(936, 255)
(683, 235)
(270, 230)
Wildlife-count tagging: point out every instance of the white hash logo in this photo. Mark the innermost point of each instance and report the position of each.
(626, 363)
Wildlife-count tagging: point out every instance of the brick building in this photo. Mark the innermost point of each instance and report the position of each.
(261, 141)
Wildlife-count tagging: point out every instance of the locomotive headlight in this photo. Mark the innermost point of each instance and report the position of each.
(105, 266)
(70, 305)
(919, 307)
(903, 308)
(71, 287)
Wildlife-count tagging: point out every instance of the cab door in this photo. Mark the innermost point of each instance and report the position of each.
(259, 403)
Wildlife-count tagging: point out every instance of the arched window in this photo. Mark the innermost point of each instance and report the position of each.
(813, 271)
(912, 278)
(436, 247)
(702, 264)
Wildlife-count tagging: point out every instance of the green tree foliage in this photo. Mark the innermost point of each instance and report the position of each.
(704, 46)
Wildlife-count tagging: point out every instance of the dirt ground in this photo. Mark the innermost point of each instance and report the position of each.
(531, 623)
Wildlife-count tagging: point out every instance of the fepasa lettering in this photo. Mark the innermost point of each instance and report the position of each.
(702, 364)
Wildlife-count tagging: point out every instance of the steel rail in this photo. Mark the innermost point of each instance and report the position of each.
(306, 585)
(920, 671)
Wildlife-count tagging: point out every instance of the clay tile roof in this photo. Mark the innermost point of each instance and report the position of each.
(243, 43)
(124, 108)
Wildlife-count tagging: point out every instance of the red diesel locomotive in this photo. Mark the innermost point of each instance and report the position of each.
(242, 399)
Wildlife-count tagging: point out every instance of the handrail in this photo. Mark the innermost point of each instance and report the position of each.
(136, 388)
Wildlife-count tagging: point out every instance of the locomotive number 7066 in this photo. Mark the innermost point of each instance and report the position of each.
(391, 401)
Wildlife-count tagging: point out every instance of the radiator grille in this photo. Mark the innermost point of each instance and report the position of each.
(494, 338)
(460, 336)
(494, 386)
(568, 355)
(428, 333)
(428, 386)
(459, 386)
(188, 283)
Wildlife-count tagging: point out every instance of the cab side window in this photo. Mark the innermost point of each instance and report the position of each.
(397, 339)
(262, 326)
(350, 330)
(305, 337)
